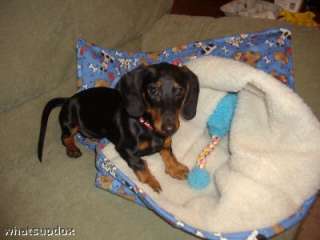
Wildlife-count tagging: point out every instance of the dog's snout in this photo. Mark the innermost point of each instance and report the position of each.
(169, 124)
(169, 129)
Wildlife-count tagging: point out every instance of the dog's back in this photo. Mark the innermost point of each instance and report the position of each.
(91, 111)
(95, 110)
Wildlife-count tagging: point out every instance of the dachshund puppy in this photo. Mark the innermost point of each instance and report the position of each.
(138, 117)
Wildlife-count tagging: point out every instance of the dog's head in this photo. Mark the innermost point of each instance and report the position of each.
(163, 91)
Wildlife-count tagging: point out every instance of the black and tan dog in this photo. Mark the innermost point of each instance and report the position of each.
(138, 117)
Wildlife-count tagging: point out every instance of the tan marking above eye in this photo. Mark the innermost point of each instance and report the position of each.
(144, 145)
(176, 85)
(158, 84)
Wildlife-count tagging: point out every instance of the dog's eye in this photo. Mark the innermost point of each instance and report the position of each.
(178, 92)
(154, 91)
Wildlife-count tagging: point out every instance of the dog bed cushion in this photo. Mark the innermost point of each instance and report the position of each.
(264, 171)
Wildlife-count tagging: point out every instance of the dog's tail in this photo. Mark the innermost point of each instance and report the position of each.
(53, 103)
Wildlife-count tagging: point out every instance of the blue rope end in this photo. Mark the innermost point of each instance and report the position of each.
(198, 178)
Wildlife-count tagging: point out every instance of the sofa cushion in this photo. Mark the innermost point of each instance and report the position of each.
(37, 39)
(173, 30)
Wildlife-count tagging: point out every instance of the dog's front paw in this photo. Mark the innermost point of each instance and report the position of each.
(146, 177)
(154, 184)
(178, 171)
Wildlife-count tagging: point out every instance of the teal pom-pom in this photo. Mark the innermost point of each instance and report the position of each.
(198, 178)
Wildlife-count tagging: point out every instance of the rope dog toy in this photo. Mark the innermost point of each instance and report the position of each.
(218, 124)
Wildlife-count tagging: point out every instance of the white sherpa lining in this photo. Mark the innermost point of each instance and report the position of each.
(262, 172)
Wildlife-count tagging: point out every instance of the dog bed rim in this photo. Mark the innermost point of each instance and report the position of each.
(148, 202)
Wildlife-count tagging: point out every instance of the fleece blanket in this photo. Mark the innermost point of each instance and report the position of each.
(262, 172)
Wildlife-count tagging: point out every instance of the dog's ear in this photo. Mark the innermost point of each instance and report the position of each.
(130, 86)
(189, 107)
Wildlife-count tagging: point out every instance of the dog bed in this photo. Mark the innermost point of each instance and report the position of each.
(265, 172)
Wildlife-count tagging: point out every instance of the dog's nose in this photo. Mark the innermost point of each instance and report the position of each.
(169, 123)
(169, 129)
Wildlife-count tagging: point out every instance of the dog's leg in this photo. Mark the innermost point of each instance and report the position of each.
(68, 141)
(172, 167)
(68, 132)
(140, 168)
